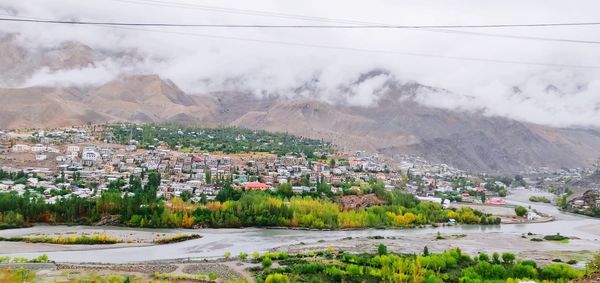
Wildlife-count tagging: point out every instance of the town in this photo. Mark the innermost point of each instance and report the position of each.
(82, 161)
(63, 161)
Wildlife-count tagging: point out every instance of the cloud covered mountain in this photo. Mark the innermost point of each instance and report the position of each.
(393, 121)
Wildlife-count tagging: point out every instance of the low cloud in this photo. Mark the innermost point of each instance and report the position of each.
(93, 75)
(207, 60)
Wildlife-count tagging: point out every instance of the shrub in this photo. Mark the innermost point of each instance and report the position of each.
(310, 268)
(539, 199)
(560, 271)
(243, 256)
(277, 278)
(520, 211)
(521, 270)
(177, 238)
(594, 263)
(508, 258)
(266, 262)
(354, 270)
(335, 273)
(496, 257)
(212, 276)
(40, 259)
(382, 249)
(557, 237)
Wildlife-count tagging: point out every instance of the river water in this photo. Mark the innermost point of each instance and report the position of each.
(216, 242)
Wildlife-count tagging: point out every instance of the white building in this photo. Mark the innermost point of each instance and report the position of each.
(21, 148)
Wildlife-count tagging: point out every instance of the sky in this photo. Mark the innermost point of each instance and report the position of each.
(545, 88)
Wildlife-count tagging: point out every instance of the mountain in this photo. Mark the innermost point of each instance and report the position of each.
(142, 99)
(395, 124)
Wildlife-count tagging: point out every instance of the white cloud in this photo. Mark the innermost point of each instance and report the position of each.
(100, 73)
(205, 61)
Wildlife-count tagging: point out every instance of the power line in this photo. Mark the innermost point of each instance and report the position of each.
(333, 20)
(239, 11)
(525, 37)
(377, 51)
(297, 26)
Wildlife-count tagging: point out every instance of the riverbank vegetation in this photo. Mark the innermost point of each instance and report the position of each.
(40, 259)
(130, 204)
(212, 277)
(177, 238)
(539, 199)
(94, 239)
(449, 266)
(558, 238)
(266, 210)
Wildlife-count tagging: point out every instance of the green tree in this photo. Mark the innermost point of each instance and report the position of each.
(266, 262)
(496, 258)
(207, 176)
(284, 190)
(562, 202)
(382, 249)
(186, 195)
(520, 210)
(508, 258)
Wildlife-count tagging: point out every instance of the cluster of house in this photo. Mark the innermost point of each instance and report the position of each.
(53, 160)
(589, 200)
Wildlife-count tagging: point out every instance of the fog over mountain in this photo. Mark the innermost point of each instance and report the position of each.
(200, 61)
(328, 83)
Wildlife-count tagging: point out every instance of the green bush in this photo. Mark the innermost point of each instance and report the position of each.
(557, 237)
(508, 258)
(266, 262)
(520, 211)
(539, 199)
(382, 249)
(277, 278)
(557, 271)
(212, 276)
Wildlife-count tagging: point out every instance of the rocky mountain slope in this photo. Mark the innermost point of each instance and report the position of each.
(397, 124)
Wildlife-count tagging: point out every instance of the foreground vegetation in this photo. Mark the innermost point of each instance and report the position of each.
(339, 266)
(212, 277)
(449, 266)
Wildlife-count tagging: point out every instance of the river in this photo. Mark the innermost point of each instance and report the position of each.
(215, 242)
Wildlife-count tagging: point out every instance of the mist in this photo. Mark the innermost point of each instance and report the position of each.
(307, 62)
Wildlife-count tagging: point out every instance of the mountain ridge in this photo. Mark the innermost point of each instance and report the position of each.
(394, 124)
